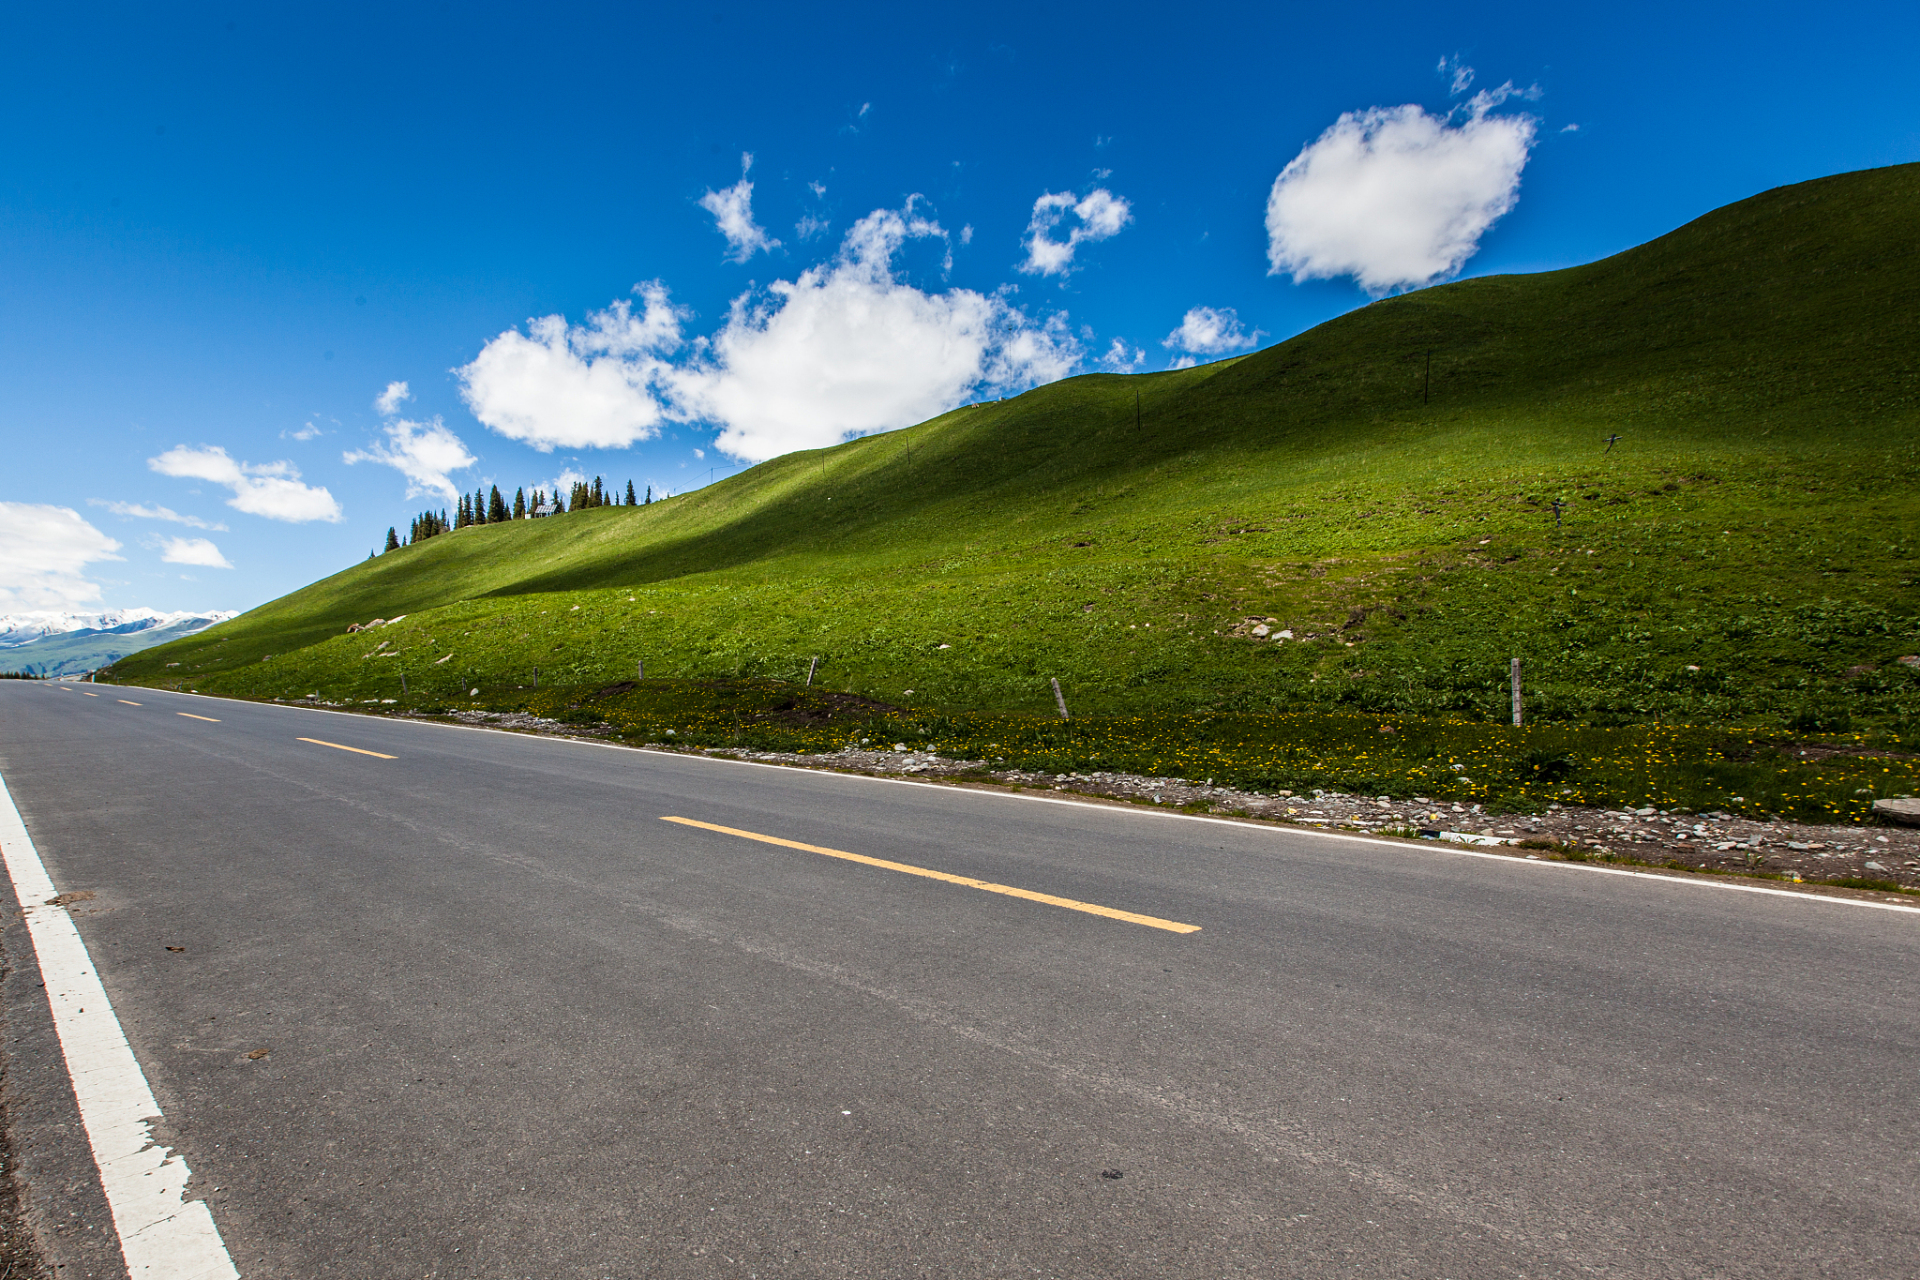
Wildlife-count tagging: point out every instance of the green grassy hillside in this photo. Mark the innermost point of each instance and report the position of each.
(1745, 552)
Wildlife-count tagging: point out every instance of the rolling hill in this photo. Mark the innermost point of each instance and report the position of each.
(1679, 483)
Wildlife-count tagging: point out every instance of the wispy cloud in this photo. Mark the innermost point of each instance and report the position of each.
(732, 211)
(388, 402)
(426, 453)
(269, 489)
(1122, 359)
(139, 511)
(1099, 215)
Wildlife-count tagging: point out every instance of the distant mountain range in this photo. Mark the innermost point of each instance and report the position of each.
(65, 644)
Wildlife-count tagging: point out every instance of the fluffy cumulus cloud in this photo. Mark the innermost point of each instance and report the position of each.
(270, 489)
(44, 551)
(142, 511)
(732, 211)
(198, 551)
(848, 348)
(1099, 215)
(1210, 331)
(591, 386)
(1395, 197)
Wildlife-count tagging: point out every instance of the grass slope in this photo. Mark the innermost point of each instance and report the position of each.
(1744, 554)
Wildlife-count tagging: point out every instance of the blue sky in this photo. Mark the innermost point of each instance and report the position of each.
(226, 232)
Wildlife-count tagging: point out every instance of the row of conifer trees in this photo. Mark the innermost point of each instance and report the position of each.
(490, 507)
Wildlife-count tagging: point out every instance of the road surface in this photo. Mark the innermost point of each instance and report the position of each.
(517, 1023)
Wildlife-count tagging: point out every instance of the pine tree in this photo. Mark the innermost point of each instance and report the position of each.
(393, 539)
(496, 507)
(599, 494)
(631, 500)
(519, 504)
(461, 517)
(649, 495)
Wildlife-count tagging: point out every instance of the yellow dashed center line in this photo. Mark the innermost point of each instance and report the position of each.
(358, 750)
(90, 695)
(131, 704)
(1112, 913)
(189, 715)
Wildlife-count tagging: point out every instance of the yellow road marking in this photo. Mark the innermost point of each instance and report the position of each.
(131, 704)
(1112, 913)
(361, 750)
(189, 715)
(90, 695)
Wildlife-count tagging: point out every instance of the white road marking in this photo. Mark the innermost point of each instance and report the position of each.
(163, 1236)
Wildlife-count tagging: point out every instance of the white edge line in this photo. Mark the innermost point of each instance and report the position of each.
(1403, 846)
(163, 1235)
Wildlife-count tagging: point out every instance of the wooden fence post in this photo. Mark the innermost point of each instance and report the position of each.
(1059, 698)
(1516, 693)
(811, 668)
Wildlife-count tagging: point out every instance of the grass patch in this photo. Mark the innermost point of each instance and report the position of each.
(1744, 554)
(1469, 761)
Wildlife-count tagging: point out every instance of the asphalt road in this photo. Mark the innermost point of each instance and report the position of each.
(519, 1026)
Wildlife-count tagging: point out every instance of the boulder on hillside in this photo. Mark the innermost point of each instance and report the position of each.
(1904, 811)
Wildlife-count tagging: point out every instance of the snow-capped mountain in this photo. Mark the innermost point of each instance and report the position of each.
(17, 629)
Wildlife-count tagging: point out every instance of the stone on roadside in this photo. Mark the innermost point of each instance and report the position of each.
(1904, 811)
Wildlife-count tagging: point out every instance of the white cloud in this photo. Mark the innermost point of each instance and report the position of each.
(308, 432)
(423, 452)
(847, 348)
(1459, 75)
(1570, 128)
(43, 553)
(140, 512)
(563, 483)
(1210, 331)
(1395, 197)
(732, 211)
(1099, 216)
(809, 226)
(590, 386)
(200, 551)
(1121, 359)
(270, 489)
(388, 402)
